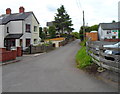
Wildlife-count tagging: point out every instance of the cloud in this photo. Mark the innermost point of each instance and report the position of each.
(51, 8)
(96, 11)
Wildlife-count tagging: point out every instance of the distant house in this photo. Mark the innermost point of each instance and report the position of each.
(56, 41)
(109, 31)
(18, 29)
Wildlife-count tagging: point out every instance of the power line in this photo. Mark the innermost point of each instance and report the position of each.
(79, 5)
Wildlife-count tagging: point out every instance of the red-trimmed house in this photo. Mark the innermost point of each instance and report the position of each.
(109, 31)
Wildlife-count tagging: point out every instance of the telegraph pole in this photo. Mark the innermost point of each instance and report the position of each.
(83, 26)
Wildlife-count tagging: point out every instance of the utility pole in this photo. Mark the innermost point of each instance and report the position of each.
(83, 26)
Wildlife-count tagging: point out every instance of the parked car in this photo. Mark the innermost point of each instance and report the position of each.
(116, 45)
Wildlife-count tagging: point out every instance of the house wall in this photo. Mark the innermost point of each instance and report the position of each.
(15, 27)
(102, 34)
(33, 35)
(2, 36)
(26, 35)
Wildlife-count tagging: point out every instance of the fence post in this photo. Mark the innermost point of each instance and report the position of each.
(100, 69)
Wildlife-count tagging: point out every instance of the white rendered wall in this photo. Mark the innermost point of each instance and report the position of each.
(32, 35)
(119, 11)
(15, 27)
(2, 36)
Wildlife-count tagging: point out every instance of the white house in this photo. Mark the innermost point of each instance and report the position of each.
(119, 11)
(18, 29)
(109, 30)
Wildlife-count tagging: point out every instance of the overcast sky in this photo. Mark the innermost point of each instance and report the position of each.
(96, 11)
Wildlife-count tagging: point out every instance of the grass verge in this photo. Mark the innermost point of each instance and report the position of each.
(82, 58)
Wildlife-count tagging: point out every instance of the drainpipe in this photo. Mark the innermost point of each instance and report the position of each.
(22, 33)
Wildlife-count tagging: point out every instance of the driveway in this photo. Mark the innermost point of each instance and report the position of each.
(51, 72)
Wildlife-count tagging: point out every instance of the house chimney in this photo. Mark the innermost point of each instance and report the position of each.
(8, 11)
(21, 9)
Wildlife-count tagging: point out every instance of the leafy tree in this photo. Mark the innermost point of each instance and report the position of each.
(52, 32)
(94, 28)
(75, 34)
(62, 20)
(87, 29)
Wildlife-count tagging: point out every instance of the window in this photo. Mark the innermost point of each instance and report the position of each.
(13, 42)
(35, 41)
(27, 27)
(7, 29)
(108, 31)
(35, 28)
(27, 42)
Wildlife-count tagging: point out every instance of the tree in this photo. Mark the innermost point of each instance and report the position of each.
(52, 32)
(62, 20)
(94, 28)
(45, 30)
(41, 33)
(87, 29)
(75, 34)
(81, 33)
(113, 21)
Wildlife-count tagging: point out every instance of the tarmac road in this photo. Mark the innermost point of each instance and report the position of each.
(51, 72)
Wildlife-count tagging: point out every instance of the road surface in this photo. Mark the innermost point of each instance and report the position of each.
(51, 72)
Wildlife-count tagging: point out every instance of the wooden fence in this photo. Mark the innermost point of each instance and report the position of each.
(107, 61)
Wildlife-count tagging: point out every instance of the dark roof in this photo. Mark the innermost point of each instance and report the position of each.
(4, 19)
(110, 26)
(13, 36)
(49, 23)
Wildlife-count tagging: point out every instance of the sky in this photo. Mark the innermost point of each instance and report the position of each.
(96, 11)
